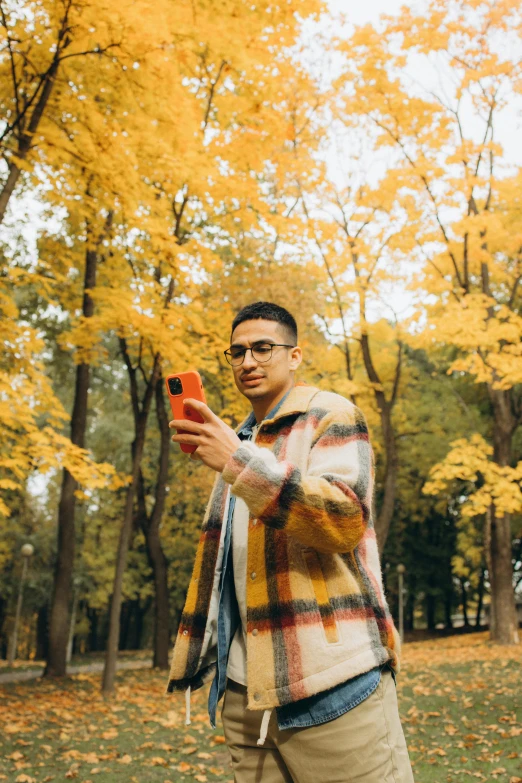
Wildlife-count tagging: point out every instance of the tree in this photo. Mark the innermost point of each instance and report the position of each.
(45, 44)
(468, 255)
(31, 434)
(59, 618)
(352, 229)
(150, 524)
(60, 125)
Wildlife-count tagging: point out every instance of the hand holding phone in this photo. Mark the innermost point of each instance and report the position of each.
(181, 386)
(215, 442)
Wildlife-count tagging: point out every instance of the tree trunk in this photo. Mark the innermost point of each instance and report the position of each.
(464, 603)
(92, 616)
(480, 602)
(125, 622)
(141, 415)
(491, 576)
(138, 446)
(72, 626)
(140, 612)
(3, 614)
(505, 628)
(161, 604)
(7, 190)
(59, 623)
(151, 530)
(430, 611)
(409, 619)
(391, 465)
(109, 671)
(42, 633)
(447, 610)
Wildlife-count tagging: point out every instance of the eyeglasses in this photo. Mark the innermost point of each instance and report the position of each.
(261, 352)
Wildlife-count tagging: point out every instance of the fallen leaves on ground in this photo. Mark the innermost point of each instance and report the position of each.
(457, 698)
(66, 730)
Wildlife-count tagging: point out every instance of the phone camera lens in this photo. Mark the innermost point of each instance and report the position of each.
(175, 386)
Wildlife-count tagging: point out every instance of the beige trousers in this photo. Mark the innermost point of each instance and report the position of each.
(365, 745)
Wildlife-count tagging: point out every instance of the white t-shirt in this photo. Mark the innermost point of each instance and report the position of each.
(237, 659)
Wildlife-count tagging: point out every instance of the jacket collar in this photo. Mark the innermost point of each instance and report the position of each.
(297, 401)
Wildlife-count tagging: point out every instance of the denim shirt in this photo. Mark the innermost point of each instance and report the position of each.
(321, 707)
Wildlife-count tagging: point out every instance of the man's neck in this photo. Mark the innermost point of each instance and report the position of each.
(264, 406)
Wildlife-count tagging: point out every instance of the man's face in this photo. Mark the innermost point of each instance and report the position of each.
(254, 378)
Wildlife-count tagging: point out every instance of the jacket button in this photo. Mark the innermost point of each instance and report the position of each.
(253, 575)
(255, 632)
(254, 522)
(185, 632)
(257, 696)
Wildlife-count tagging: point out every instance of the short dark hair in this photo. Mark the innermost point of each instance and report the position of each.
(270, 312)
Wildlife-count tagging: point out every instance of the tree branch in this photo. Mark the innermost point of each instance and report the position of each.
(213, 85)
(397, 377)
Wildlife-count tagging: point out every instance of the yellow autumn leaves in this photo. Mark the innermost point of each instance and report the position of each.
(470, 460)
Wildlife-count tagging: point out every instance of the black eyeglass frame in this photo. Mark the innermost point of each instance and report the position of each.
(261, 361)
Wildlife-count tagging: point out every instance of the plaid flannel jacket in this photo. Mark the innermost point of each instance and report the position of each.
(316, 610)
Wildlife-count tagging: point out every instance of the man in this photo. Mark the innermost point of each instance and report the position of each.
(285, 609)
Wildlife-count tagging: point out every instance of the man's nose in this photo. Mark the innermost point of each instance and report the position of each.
(249, 362)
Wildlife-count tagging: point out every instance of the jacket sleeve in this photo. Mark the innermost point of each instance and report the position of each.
(329, 507)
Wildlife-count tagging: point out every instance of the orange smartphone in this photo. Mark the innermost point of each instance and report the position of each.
(179, 387)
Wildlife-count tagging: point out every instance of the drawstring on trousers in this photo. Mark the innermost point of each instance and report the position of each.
(187, 706)
(264, 722)
(264, 727)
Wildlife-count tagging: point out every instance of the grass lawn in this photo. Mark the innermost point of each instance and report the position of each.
(458, 699)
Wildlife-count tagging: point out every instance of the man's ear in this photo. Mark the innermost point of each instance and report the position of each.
(296, 358)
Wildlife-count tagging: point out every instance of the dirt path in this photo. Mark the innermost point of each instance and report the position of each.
(34, 674)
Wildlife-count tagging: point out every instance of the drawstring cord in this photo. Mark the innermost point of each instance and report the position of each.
(264, 727)
(187, 706)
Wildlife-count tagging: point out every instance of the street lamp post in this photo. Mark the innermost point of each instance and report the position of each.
(400, 570)
(26, 551)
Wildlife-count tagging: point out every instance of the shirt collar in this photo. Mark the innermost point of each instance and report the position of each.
(296, 400)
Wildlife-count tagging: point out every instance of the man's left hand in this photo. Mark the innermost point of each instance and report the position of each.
(215, 440)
